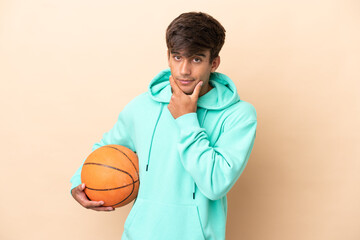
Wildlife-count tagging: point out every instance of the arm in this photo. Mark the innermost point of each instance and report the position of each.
(215, 169)
(117, 135)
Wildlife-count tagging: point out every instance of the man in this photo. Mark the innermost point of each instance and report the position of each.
(193, 136)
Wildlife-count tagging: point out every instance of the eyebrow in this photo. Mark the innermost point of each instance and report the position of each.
(196, 54)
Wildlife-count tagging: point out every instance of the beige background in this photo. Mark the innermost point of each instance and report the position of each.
(67, 68)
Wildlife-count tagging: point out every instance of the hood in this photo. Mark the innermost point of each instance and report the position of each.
(221, 96)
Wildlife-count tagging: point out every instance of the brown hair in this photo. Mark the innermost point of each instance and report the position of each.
(194, 32)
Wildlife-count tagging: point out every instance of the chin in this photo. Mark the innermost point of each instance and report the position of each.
(187, 91)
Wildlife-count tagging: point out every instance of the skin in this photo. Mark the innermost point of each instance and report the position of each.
(189, 80)
(80, 196)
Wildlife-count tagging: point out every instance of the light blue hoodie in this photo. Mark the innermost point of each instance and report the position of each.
(187, 165)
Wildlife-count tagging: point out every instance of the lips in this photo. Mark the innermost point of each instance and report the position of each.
(185, 81)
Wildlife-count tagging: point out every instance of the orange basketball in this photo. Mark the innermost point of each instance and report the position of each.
(111, 174)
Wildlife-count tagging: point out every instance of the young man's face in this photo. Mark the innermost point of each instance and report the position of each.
(189, 71)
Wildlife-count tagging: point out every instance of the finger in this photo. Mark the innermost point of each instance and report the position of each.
(197, 90)
(93, 204)
(176, 89)
(79, 194)
(77, 189)
(107, 209)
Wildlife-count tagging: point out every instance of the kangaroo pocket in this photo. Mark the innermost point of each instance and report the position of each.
(152, 220)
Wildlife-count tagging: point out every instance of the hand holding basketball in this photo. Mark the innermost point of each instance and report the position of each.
(80, 196)
(111, 175)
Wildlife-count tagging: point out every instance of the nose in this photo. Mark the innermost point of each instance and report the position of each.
(185, 68)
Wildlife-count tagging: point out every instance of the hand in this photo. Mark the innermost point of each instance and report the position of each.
(180, 103)
(80, 196)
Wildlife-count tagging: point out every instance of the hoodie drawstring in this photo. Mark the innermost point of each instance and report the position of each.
(152, 137)
(201, 125)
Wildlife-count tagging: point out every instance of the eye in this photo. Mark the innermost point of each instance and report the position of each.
(197, 60)
(177, 58)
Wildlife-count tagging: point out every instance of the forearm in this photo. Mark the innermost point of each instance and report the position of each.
(215, 168)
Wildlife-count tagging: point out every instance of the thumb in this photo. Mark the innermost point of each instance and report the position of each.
(175, 88)
(77, 189)
(81, 187)
(197, 90)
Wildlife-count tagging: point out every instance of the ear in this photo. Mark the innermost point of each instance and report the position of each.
(215, 64)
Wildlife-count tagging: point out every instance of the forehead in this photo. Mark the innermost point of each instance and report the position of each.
(186, 53)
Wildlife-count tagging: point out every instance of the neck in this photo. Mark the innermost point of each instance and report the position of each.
(205, 89)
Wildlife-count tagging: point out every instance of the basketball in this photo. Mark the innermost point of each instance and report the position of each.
(111, 175)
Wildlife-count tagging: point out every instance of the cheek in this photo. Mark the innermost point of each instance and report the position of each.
(172, 66)
(205, 75)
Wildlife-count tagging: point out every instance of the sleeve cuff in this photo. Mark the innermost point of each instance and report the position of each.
(188, 122)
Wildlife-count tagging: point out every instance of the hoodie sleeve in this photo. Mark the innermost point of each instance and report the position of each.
(215, 169)
(119, 134)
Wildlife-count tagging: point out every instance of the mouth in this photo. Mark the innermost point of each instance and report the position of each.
(185, 81)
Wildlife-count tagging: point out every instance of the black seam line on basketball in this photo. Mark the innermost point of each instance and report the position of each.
(132, 190)
(111, 167)
(108, 166)
(126, 157)
(133, 185)
(133, 182)
(109, 189)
